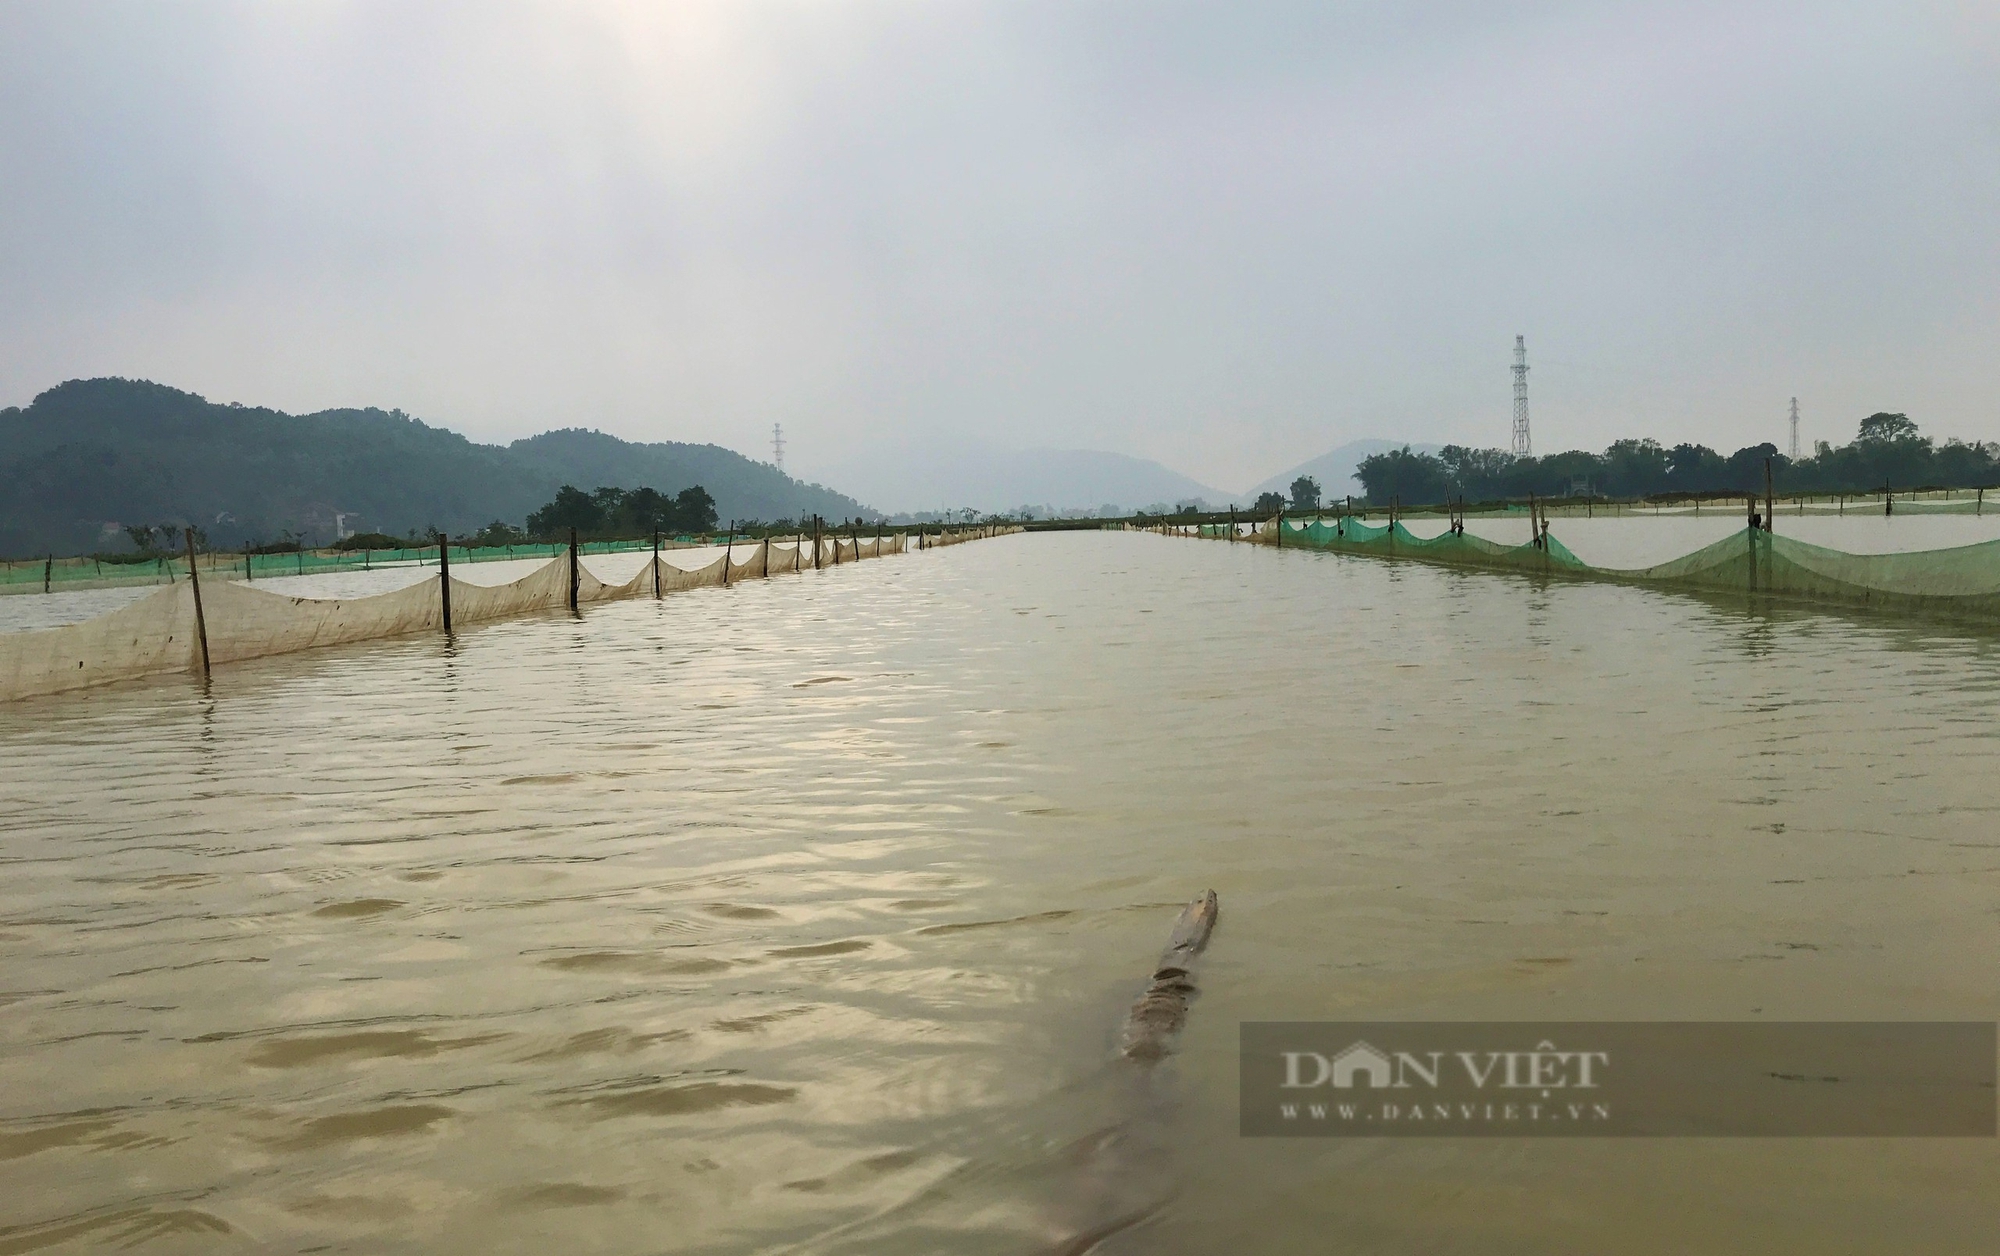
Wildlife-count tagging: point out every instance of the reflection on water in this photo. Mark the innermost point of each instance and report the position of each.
(802, 915)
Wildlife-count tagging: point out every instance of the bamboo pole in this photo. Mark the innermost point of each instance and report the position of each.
(444, 579)
(200, 622)
(48, 573)
(1770, 500)
(656, 564)
(1750, 534)
(575, 577)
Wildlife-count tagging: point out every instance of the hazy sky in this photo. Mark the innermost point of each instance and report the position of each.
(1227, 236)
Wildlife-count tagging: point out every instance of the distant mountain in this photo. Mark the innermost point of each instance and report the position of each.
(90, 455)
(1335, 469)
(993, 479)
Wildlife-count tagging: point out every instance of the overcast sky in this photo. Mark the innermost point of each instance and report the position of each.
(1228, 236)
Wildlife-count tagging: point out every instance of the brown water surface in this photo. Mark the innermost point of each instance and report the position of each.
(801, 916)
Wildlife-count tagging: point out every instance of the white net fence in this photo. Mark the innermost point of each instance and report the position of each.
(194, 624)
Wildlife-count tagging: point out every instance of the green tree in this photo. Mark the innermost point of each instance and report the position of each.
(1694, 469)
(694, 510)
(1633, 468)
(496, 534)
(1885, 426)
(1746, 467)
(1478, 473)
(572, 508)
(1267, 504)
(1305, 493)
(646, 510)
(1399, 475)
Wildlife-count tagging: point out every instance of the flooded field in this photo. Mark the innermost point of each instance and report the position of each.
(801, 916)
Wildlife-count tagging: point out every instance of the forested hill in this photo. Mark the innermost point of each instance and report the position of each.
(89, 456)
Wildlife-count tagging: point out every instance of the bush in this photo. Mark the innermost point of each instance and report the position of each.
(365, 541)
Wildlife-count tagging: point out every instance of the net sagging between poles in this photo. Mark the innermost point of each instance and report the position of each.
(158, 633)
(1963, 582)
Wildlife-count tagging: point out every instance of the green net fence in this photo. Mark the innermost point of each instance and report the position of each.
(194, 624)
(1962, 582)
(50, 574)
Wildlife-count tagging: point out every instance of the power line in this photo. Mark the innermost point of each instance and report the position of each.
(1523, 447)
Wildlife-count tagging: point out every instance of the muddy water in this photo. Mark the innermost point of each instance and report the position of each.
(800, 916)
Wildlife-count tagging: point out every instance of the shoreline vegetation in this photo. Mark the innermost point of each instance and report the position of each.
(1887, 452)
(88, 457)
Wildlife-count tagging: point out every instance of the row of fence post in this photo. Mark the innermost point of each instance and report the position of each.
(444, 574)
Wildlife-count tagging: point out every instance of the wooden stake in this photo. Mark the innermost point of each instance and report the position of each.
(728, 553)
(1770, 500)
(575, 577)
(444, 579)
(656, 564)
(200, 622)
(48, 572)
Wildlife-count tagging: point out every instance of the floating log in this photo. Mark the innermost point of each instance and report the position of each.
(1162, 1009)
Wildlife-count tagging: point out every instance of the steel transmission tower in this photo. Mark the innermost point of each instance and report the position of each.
(778, 445)
(1522, 445)
(1795, 429)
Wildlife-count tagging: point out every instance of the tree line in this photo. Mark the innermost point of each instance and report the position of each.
(619, 512)
(1887, 452)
